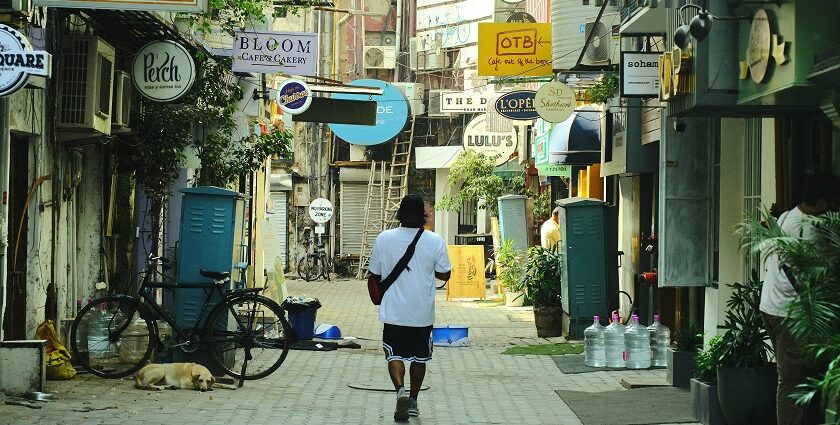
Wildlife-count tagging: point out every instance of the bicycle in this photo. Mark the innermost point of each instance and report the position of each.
(314, 265)
(245, 334)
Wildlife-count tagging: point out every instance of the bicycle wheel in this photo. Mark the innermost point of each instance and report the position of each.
(249, 327)
(309, 268)
(109, 339)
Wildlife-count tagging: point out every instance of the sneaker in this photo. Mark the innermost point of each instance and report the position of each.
(401, 412)
(413, 410)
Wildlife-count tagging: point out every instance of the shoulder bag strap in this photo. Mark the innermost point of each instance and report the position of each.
(403, 263)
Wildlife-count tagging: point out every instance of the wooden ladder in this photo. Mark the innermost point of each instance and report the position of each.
(374, 206)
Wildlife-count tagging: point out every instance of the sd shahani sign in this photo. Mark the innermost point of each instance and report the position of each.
(18, 61)
(293, 53)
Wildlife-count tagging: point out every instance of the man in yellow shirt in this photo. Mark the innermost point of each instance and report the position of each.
(550, 231)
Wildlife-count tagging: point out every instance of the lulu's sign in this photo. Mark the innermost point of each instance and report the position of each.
(674, 74)
(762, 46)
(163, 71)
(492, 144)
(18, 61)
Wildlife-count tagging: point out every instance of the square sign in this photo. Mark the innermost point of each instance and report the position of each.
(639, 74)
(507, 49)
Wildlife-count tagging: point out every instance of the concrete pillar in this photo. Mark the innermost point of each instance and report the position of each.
(446, 222)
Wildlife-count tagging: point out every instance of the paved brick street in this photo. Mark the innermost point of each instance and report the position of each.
(474, 384)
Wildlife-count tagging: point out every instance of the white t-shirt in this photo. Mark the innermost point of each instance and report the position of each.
(410, 301)
(777, 291)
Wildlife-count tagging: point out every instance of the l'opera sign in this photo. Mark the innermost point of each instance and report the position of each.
(517, 105)
(271, 51)
(18, 61)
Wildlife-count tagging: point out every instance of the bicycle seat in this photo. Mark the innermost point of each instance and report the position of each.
(215, 275)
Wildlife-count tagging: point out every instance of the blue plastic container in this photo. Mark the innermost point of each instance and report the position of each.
(327, 331)
(303, 323)
(450, 335)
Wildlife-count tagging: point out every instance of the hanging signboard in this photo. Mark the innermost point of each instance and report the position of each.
(491, 144)
(506, 49)
(320, 210)
(517, 105)
(391, 115)
(294, 96)
(465, 102)
(639, 74)
(18, 61)
(555, 102)
(521, 18)
(467, 280)
(163, 71)
(189, 6)
(556, 170)
(266, 52)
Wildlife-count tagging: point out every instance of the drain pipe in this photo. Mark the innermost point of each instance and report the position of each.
(5, 146)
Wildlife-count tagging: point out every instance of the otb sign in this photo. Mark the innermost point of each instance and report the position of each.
(514, 49)
(18, 61)
(163, 71)
(321, 210)
(294, 96)
(517, 105)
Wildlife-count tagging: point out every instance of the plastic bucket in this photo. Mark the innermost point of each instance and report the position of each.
(303, 323)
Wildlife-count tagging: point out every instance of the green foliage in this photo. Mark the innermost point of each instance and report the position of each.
(604, 90)
(556, 349)
(511, 266)
(543, 274)
(689, 338)
(706, 362)
(471, 178)
(236, 15)
(542, 206)
(744, 344)
(814, 314)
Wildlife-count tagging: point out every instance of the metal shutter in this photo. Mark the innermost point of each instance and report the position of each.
(352, 214)
(276, 229)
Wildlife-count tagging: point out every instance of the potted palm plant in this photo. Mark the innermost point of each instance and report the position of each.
(687, 342)
(813, 317)
(511, 271)
(705, 406)
(746, 377)
(543, 273)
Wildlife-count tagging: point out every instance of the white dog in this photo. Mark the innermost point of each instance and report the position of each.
(174, 376)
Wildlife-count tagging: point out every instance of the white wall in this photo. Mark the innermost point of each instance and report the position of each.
(446, 222)
(629, 217)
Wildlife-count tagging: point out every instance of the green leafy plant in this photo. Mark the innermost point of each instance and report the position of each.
(689, 338)
(237, 15)
(604, 89)
(511, 266)
(706, 362)
(542, 206)
(471, 178)
(543, 274)
(814, 314)
(744, 344)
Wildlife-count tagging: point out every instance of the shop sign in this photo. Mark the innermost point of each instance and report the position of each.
(320, 210)
(674, 70)
(555, 102)
(294, 53)
(391, 115)
(465, 102)
(163, 71)
(557, 170)
(763, 46)
(521, 18)
(491, 144)
(514, 49)
(188, 6)
(294, 96)
(517, 105)
(18, 61)
(639, 74)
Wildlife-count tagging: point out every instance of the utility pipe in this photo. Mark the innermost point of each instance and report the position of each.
(5, 152)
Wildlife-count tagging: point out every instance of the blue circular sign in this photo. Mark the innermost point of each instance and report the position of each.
(294, 96)
(391, 115)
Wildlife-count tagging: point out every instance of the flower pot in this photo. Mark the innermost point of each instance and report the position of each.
(705, 406)
(747, 394)
(514, 299)
(680, 367)
(549, 321)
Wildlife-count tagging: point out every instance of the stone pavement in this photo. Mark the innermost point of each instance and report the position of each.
(468, 385)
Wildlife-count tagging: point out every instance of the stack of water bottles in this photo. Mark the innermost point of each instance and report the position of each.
(634, 346)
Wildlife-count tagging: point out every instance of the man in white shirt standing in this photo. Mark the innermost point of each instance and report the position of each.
(550, 230)
(408, 306)
(820, 193)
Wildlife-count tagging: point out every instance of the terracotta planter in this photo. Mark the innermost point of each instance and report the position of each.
(549, 321)
(705, 406)
(748, 394)
(680, 367)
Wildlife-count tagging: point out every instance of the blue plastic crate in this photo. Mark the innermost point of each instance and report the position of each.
(450, 335)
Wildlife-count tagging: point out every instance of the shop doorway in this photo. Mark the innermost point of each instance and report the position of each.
(15, 320)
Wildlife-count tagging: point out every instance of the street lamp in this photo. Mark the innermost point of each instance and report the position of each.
(699, 26)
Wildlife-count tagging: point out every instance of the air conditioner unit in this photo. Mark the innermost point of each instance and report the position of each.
(122, 99)
(431, 59)
(412, 53)
(435, 98)
(380, 57)
(85, 86)
(604, 47)
(414, 92)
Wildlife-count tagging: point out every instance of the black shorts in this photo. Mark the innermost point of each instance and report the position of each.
(407, 343)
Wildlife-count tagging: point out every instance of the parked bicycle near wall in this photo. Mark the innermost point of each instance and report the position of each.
(314, 264)
(244, 333)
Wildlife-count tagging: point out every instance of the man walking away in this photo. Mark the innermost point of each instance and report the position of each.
(820, 193)
(408, 306)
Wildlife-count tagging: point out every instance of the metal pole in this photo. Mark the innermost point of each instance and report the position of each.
(5, 152)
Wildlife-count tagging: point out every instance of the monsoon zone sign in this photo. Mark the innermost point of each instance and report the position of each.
(267, 52)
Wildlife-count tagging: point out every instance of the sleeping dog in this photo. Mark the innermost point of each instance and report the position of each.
(172, 376)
